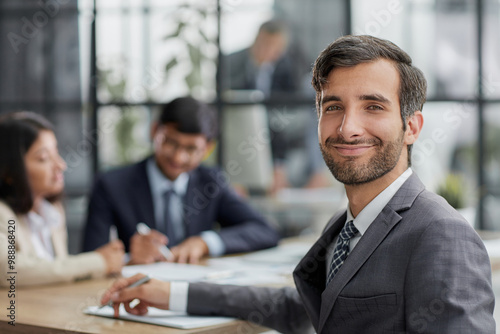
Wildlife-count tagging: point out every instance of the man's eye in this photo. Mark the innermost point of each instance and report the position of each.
(332, 108)
(169, 141)
(375, 107)
(191, 150)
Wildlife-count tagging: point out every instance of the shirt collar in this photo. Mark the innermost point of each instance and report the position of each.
(159, 183)
(49, 217)
(375, 207)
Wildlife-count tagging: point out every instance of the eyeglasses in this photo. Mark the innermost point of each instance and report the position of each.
(170, 146)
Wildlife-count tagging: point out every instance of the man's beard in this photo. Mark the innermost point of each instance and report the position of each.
(351, 172)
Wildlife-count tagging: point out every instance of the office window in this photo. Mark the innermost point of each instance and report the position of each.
(492, 165)
(142, 62)
(491, 49)
(445, 155)
(156, 51)
(147, 54)
(124, 135)
(40, 66)
(440, 36)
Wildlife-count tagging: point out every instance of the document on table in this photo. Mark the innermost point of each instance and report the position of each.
(221, 271)
(289, 254)
(160, 317)
(270, 266)
(167, 271)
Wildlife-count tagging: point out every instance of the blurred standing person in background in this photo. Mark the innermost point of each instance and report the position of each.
(277, 67)
(269, 65)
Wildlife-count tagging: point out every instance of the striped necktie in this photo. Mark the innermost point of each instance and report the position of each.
(341, 249)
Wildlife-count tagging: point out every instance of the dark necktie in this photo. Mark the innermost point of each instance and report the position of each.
(170, 227)
(341, 249)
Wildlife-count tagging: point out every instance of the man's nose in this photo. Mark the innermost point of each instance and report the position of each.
(180, 155)
(351, 126)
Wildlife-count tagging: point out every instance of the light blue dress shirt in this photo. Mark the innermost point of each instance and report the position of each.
(159, 184)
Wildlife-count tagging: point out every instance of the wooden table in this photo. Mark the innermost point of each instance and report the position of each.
(58, 309)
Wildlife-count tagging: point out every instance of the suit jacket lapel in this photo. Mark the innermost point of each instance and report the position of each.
(23, 236)
(143, 198)
(194, 202)
(58, 237)
(310, 273)
(59, 234)
(373, 236)
(59, 242)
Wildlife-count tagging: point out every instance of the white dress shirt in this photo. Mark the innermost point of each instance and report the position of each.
(40, 226)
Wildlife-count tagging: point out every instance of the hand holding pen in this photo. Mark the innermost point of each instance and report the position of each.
(148, 246)
(144, 229)
(141, 281)
(150, 292)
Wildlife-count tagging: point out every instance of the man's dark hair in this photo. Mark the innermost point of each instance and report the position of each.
(274, 26)
(190, 116)
(349, 51)
(18, 131)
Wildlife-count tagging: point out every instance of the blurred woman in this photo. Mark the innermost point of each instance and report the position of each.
(33, 236)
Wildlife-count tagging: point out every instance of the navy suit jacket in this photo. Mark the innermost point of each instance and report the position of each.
(123, 198)
(419, 268)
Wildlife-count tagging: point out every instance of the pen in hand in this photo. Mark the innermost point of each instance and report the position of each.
(144, 229)
(143, 280)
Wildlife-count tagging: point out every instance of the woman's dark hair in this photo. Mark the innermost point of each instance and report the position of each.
(18, 131)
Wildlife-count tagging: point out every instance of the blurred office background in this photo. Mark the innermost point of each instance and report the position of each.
(100, 69)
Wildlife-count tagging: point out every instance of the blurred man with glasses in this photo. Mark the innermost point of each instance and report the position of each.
(177, 198)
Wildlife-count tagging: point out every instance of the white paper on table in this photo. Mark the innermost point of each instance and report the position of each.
(160, 317)
(290, 254)
(167, 271)
(270, 266)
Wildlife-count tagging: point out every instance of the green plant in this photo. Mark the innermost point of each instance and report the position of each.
(189, 35)
(195, 52)
(113, 85)
(453, 190)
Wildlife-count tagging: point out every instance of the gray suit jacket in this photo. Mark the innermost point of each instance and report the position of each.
(419, 268)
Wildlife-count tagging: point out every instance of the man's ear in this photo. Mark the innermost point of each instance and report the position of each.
(209, 148)
(154, 128)
(413, 127)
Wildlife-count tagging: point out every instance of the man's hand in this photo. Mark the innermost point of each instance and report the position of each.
(145, 248)
(154, 293)
(113, 253)
(190, 251)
